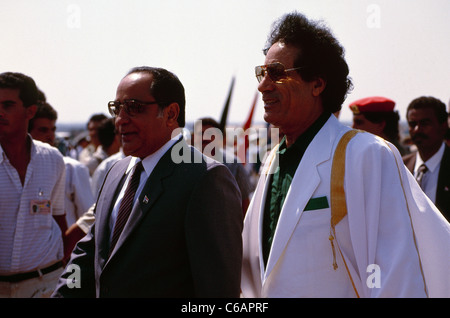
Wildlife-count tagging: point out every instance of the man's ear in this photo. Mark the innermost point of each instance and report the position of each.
(380, 127)
(443, 128)
(172, 111)
(31, 111)
(319, 85)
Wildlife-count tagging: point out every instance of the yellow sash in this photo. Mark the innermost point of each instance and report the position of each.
(338, 206)
(337, 195)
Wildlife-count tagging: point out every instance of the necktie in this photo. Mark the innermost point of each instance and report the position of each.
(420, 173)
(126, 205)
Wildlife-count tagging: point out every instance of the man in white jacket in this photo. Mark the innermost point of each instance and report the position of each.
(389, 242)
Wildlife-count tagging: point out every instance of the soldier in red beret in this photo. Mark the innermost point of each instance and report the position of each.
(377, 116)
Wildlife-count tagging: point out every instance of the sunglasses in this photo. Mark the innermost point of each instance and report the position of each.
(276, 71)
(131, 106)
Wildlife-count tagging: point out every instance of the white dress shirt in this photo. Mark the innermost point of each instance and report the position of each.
(31, 240)
(149, 164)
(78, 196)
(430, 178)
(100, 172)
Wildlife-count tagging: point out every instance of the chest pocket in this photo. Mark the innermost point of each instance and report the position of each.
(317, 204)
(41, 212)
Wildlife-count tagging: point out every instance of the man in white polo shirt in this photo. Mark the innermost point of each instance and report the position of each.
(32, 180)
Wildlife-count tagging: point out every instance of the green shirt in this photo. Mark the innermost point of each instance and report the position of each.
(289, 159)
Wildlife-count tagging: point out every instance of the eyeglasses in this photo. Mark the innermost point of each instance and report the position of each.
(276, 71)
(131, 106)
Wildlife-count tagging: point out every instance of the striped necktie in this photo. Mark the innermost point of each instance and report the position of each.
(420, 173)
(126, 205)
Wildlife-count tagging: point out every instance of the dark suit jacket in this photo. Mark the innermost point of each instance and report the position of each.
(184, 241)
(443, 186)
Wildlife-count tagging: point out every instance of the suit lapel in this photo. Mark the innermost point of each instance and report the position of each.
(443, 186)
(112, 185)
(305, 182)
(154, 187)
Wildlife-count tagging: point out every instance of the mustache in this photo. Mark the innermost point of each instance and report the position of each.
(419, 135)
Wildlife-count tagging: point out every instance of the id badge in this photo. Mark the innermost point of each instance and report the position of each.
(40, 207)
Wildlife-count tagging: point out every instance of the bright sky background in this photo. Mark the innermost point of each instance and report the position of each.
(78, 50)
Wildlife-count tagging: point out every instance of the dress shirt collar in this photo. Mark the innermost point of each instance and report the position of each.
(433, 162)
(3, 155)
(151, 160)
(303, 141)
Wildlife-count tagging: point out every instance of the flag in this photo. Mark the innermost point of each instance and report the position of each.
(248, 123)
(223, 120)
(242, 154)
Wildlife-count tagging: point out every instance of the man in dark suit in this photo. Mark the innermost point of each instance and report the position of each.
(183, 236)
(427, 120)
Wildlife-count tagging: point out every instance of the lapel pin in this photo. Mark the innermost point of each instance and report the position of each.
(145, 200)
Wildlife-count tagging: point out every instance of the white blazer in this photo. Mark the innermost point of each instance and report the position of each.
(376, 237)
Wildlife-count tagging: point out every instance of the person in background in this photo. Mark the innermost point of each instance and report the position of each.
(100, 173)
(377, 115)
(108, 137)
(226, 157)
(78, 143)
(93, 154)
(32, 177)
(430, 164)
(165, 225)
(110, 143)
(78, 197)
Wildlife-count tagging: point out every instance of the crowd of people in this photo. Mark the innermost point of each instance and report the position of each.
(132, 220)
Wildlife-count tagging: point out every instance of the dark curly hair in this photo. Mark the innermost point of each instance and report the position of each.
(319, 51)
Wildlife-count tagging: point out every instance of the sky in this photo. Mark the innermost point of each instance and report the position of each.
(77, 51)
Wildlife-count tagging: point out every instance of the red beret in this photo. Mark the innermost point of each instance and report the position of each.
(372, 104)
